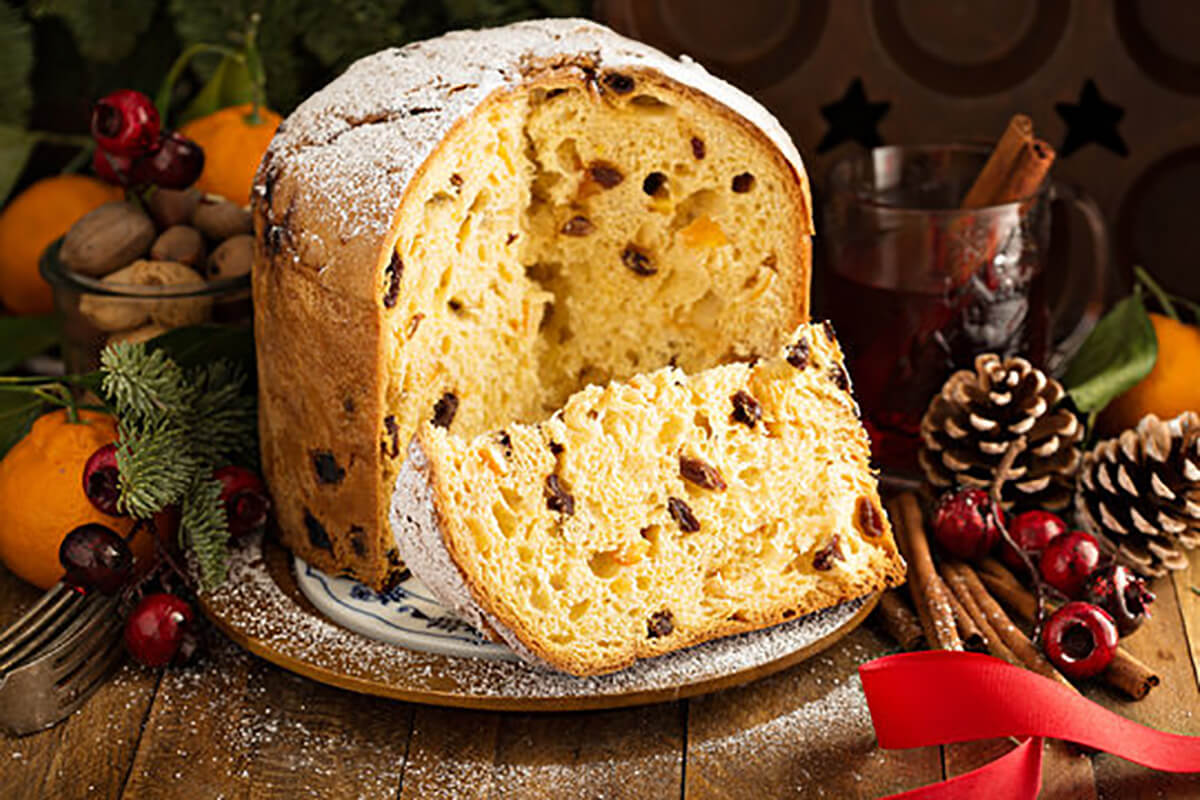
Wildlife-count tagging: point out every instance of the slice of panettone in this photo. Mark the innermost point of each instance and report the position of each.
(654, 514)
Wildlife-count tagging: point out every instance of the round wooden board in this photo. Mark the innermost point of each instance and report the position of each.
(261, 608)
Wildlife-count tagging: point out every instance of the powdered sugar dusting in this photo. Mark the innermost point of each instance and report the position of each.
(251, 730)
(253, 604)
(814, 735)
(356, 144)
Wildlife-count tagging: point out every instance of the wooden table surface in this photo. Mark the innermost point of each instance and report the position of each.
(237, 726)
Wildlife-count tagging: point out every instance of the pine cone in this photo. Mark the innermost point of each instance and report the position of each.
(970, 426)
(1141, 490)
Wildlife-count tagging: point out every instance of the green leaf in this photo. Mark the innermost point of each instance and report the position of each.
(18, 410)
(105, 30)
(23, 337)
(230, 85)
(15, 146)
(1119, 352)
(195, 345)
(16, 65)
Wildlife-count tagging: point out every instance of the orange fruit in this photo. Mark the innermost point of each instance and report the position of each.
(233, 146)
(42, 498)
(34, 219)
(1171, 387)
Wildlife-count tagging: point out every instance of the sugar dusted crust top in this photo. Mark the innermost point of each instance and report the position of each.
(357, 143)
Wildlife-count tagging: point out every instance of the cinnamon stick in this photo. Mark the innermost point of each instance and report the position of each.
(1130, 675)
(1126, 673)
(1010, 634)
(900, 621)
(1032, 164)
(929, 594)
(972, 636)
(1015, 169)
(1007, 164)
(1011, 593)
(958, 586)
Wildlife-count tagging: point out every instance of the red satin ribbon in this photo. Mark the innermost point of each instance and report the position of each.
(939, 697)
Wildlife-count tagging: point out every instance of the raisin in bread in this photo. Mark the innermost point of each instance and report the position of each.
(470, 229)
(654, 514)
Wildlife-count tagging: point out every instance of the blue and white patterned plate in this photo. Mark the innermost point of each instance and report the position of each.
(407, 615)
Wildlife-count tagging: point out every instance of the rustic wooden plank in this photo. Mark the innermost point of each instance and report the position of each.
(451, 753)
(236, 726)
(626, 753)
(1187, 589)
(1172, 706)
(87, 755)
(803, 732)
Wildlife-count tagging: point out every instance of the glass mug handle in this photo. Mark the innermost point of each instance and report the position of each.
(1085, 291)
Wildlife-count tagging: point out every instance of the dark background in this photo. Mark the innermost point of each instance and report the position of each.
(1113, 84)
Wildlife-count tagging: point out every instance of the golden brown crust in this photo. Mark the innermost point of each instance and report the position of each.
(319, 419)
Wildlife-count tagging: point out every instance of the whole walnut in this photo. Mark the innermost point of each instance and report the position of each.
(107, 239)
(122, 313)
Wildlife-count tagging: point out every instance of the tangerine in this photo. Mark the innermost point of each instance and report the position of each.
(1171, 387)
(42, 498)
(34, 219)
(233, 145)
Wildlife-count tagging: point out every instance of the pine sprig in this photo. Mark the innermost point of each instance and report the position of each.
(143, 385)
(177, 426)
(155, 464)
(204, 529)
(224, 417)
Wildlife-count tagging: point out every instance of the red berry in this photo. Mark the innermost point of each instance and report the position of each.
(1032, 531)
(159, 631)
(101, 480)
(1080, 639)
(125, 123)
(1068, 561)
(176, 164)
(112, 167)
(1122, 594)
(966, 524)
(95, 557)
(245, 498)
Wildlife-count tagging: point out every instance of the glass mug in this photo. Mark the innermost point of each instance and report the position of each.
(918, 287)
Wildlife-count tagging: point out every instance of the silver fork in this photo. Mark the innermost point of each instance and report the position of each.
(55, 656)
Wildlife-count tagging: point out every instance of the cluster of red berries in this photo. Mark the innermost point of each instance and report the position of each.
(1105, 600)
(160, 629)
(132, 149)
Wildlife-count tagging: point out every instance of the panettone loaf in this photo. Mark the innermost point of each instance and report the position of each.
(654, 514)
(468, 230)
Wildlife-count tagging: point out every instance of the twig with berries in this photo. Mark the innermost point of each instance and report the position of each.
(1015, 448)
(1095, 601)
(1114, 588)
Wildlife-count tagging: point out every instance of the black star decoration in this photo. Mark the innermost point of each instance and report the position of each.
(852, 119)
(1092, 119)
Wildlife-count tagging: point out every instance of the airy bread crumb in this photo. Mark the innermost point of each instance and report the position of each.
(656, 513)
